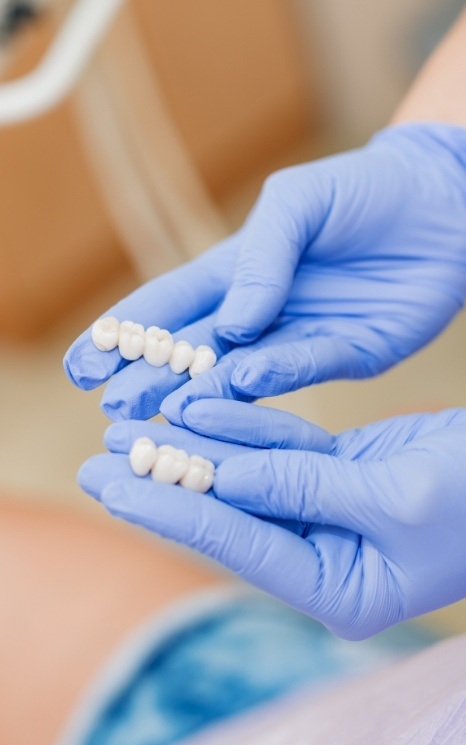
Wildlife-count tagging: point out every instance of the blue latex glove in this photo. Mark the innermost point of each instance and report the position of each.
(96, 472)
(182, 301)
(363, 255)
(381, 519)
(346, 266)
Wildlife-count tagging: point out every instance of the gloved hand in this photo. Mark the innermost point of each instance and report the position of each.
(182, 301)
(361, 255)
(378, 517)
(97, 471)
(347, 266)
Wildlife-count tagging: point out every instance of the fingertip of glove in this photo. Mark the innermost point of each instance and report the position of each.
(74, 374)
(67, 368)
(194, 415)
(236, 334)
(256, 379)
(172, 409)
(264, 377)
(85, 369)
(86, 482)
(244, 378)
(117, 411)
(117, 438)
(112, 496)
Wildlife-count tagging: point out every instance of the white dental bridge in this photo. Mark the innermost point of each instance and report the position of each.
(171, 466)
(154, 344)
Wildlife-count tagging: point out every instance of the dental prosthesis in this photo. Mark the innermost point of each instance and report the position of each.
(154, 344)
(171, 466)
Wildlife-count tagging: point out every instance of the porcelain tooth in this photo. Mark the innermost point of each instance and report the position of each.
(204, 359)
(199, 476)
(158, 346)
(142, 456)
(105, 333)
(209, 465)
(131, 340)
(181, 357)
(171, 465)
(198, 460)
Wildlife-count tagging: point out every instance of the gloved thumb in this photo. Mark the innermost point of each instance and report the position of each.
(305, 486)
(256, 426)
(287, 216)
(279, 369)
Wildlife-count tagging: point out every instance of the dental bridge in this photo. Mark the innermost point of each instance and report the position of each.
(156, 345)
(171, 466)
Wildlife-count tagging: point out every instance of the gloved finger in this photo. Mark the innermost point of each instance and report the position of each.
(262, 553)
(120, 437)
(137, 391)
(171, 301)
(257, 426)
(215, 383)
(96, 472)
(289, 213)
(221, 381)
(309, 487)
(100, 470)
(277, 369)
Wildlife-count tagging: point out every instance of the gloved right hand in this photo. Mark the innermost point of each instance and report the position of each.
(371, 530)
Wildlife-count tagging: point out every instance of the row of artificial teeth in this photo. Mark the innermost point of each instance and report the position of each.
(171, 466)
(154, 344)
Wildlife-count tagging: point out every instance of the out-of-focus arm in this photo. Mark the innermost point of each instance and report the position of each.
(439, 91)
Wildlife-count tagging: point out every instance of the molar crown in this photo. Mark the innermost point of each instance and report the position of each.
(181, 357)
(158, 346)
(204, 359)
(131, 340)
(200, 474)
(105, 333)
(142, 456)
(169, 465)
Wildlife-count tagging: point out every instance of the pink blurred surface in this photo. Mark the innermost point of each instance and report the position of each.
(420, 701)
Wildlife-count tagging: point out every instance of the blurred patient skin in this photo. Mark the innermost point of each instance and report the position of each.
(72, 588)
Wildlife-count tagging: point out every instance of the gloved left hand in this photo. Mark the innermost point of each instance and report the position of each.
(345, 267)
(378, 517)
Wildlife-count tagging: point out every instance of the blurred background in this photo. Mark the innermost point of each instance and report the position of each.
(161, 149)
